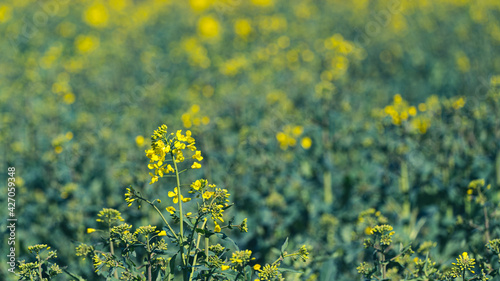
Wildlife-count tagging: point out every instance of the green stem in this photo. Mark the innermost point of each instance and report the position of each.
(163, 218)
(39, 267)
(206, 248)
(179, 196)
(149, 259)
(111, 247)
(195, 255)
(384, 265)
(486, 224)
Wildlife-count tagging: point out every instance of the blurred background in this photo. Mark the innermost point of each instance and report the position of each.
(322, 118)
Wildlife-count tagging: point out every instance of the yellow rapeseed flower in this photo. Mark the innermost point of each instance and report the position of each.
(306, 142)
(170, 209)
(69, 98)
(90, 230)
(119, 5)
(86, 43)
(262, 2)
(5, 13)
(198, 156)
(175, 195)
(242, 27)
(196, 165)
(139, 140)
(200, 5)
(58, 149)
(207, 194)
(209, 27)
(412, 111)
(96, 15)
(217, 227)
(196, 185)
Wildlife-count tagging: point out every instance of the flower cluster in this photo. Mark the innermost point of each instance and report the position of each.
(288, 137)
(368, 218)
(465, 263)
(240, 259)
(109, 216)
(173, 145)
(33, 270)
(384, 232)
(212, 202)
(215, 201)
(270, 273)
(101, 259)
(365, 269)
(83, 250)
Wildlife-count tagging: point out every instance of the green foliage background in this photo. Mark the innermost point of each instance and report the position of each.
(82, 81)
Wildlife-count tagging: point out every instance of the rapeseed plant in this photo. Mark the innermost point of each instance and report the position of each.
(195, 261)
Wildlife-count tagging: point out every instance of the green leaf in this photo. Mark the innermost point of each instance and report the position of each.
(225, 237)
(201, 231)
(188, 222)
(76, 277)
(283, 247)
(248, 272)
(172, 264)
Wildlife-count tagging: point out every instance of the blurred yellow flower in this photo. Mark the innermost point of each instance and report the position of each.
(306, 142)
(200, 5)
(69, 98)
(162, 233)
(283, 42)
(209, 27)
(139, 140)
(58, 149)
(119, 5)
(412, 111)
(459, 103)
(307, 55)
(195, 108)
(90, 230)
(462, 62)
(397, 99)
(262, 2)
(233, 66)
(196, 165)
(242, 27)
(96, 15)
(223, 267)
(86, 43)
(297, 130)
(69, 135)
(5, 13)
